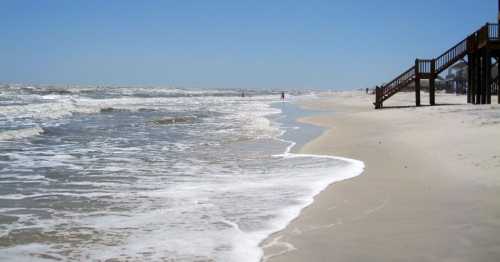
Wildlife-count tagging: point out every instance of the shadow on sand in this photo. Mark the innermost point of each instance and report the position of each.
(442, 104)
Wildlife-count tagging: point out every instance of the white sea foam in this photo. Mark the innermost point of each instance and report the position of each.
(202, 243)
(20, 133)
(52, 195)
(326, 176)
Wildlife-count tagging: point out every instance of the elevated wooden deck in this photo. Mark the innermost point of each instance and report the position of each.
(482, 51)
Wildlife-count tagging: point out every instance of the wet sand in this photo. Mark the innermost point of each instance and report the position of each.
(430, 190)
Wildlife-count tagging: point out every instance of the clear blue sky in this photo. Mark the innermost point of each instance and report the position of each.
(328, 44)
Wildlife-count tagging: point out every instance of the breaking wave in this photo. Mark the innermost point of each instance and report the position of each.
(20, 133)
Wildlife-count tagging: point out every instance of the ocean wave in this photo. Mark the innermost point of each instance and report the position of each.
(21, 133)
(112, 110)
(174, 120)
(250, 114)
(50, 110)
(96, 91)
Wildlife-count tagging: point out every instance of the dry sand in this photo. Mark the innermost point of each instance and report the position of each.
(430, 190)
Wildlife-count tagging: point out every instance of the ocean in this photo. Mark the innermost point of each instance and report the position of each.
(152, 174)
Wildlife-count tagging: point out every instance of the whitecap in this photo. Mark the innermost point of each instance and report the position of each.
(21, 133)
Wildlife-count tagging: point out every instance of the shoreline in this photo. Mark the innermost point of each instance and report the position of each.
(427, 194)
(354, 167)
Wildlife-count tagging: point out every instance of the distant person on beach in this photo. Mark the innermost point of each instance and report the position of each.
(243, 94)
(367, 90)
(282, 95)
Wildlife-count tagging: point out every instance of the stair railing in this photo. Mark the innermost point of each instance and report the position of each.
(451, 56)
(493, 32)
(401, 79)
(424, 66)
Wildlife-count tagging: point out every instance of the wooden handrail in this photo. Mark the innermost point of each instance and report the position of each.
(402, 77)
(451, 56)
(425, 66)
(493, 32)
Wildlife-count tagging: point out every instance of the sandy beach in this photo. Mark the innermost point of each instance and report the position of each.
(430, 190)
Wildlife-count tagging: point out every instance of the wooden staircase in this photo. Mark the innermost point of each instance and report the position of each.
(484, 44)
(394, 86)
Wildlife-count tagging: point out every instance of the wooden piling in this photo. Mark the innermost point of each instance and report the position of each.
(484, 77)
(488, 79)
(498, 78)
(417, 84)
(469, 79)
(432, 81)
(378, 97)
(477, 75)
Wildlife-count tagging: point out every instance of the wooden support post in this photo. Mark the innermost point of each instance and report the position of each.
(417, 84)
(470, 96)
(498, 12)
(479, 78)
(487, 63)
(474, 82)
(432, 81)
(378, 97)
(432, 91)
(484, 77)
(498, 75)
